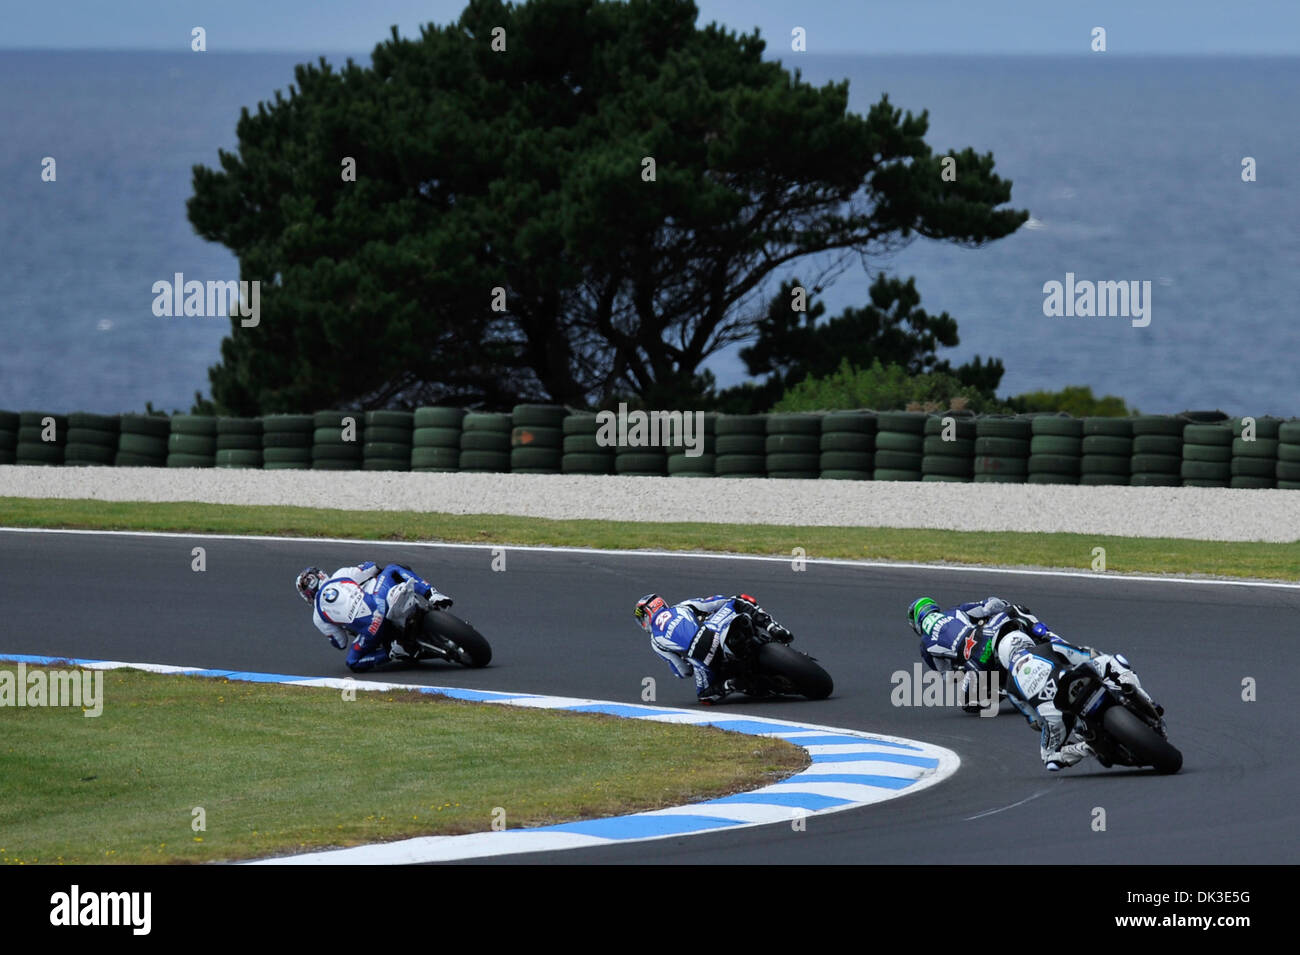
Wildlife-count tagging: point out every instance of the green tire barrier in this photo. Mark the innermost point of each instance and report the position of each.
(95, 436)
(956, 448)
(1265, 427)
(1253, 467)
(1003, 468)
(238, 458)
(494, 442)
(1158, 444)
(1055, 444)
(1106, 464)
(403, 421)
(435, 436)
(906, 442)
(793, 444)
(640, 462)
(9, 421)
(740, 424)
(1060, 426)
(1155, 480)
(1285, 452)
(1259, 448)
(336, 452)
(860, 422)
(1206, 452)
(386, 464)
(944, 479)
(79, 454)
(145, 445)
(436, 417)
(494, 461)
(538, 416)
(1157, 424)
(348, 438)
(1001, 447)
(440, 458)
(296, 456)
(1213, 435)
(1050, 478)
(948, 466)
(386, 451)
(583, 453)
(41, 452)
(1107, 445)
(581, 463)
(893, 474)
(740, 444)
(1003, 426)
(535, 459)
(904, 422)
(807, 424)
(301, 423)
(181, 442)
(333, 464)
(192, 460)
(856, 442)
(580, 422)
(536, 437)
(239, 442)
(228, 427)
(847, 461)
(1061, 465)
(201, 425)
(835, 474)
(391, 434)
(963, 425)
(128, 459)
(1289, 432)
(287, 439)
(681, 465)
(1108, 427)
(1104, 479)
(1242, 481)
(738, 465)
(898, 461)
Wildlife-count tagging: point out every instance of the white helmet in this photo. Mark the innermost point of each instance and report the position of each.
(1011, 643)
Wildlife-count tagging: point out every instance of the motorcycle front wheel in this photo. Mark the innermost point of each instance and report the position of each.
(475, 651)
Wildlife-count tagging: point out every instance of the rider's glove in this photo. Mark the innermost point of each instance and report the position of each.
(779, 633)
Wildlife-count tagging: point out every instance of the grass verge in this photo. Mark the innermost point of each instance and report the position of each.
(1158, 555)
(278, 769)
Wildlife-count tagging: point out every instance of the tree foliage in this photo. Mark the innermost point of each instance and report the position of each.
(526, 169)
(885, 388)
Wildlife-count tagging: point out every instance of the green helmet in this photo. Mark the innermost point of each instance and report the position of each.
(921, 608)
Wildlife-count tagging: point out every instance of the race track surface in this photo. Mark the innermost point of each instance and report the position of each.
(560, 623)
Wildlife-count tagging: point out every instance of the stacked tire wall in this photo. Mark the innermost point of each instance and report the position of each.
(1055, 449)
(388, 441)
(900, 446)
(847, 446)
(537, 439)
(948, 451)
(1002, 450)
(792, 446)
(1288, 455)
(92, 439)
(435, 440)
(741, 443)
(1193, 449)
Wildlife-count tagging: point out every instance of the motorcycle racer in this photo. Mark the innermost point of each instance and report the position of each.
(994, 634)
(369, 607)
(691, 636)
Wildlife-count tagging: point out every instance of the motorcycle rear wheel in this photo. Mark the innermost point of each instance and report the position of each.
(1142, 741)
(451, 627)
(799, 670)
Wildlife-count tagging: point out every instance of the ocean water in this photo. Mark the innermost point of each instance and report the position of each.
(1130, 167)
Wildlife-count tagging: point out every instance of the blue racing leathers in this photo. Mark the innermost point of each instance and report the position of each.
(368, 607)
(690, 637)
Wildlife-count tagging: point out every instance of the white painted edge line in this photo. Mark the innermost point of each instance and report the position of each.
(825, 780)
(706, 555)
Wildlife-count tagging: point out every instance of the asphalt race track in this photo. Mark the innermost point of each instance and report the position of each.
(561, 623)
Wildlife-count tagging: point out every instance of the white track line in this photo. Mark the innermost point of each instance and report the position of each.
(706, 555)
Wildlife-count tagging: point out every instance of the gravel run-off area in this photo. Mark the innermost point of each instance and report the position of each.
(1227, 514)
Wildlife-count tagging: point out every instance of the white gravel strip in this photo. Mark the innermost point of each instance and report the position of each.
(1226, 514)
